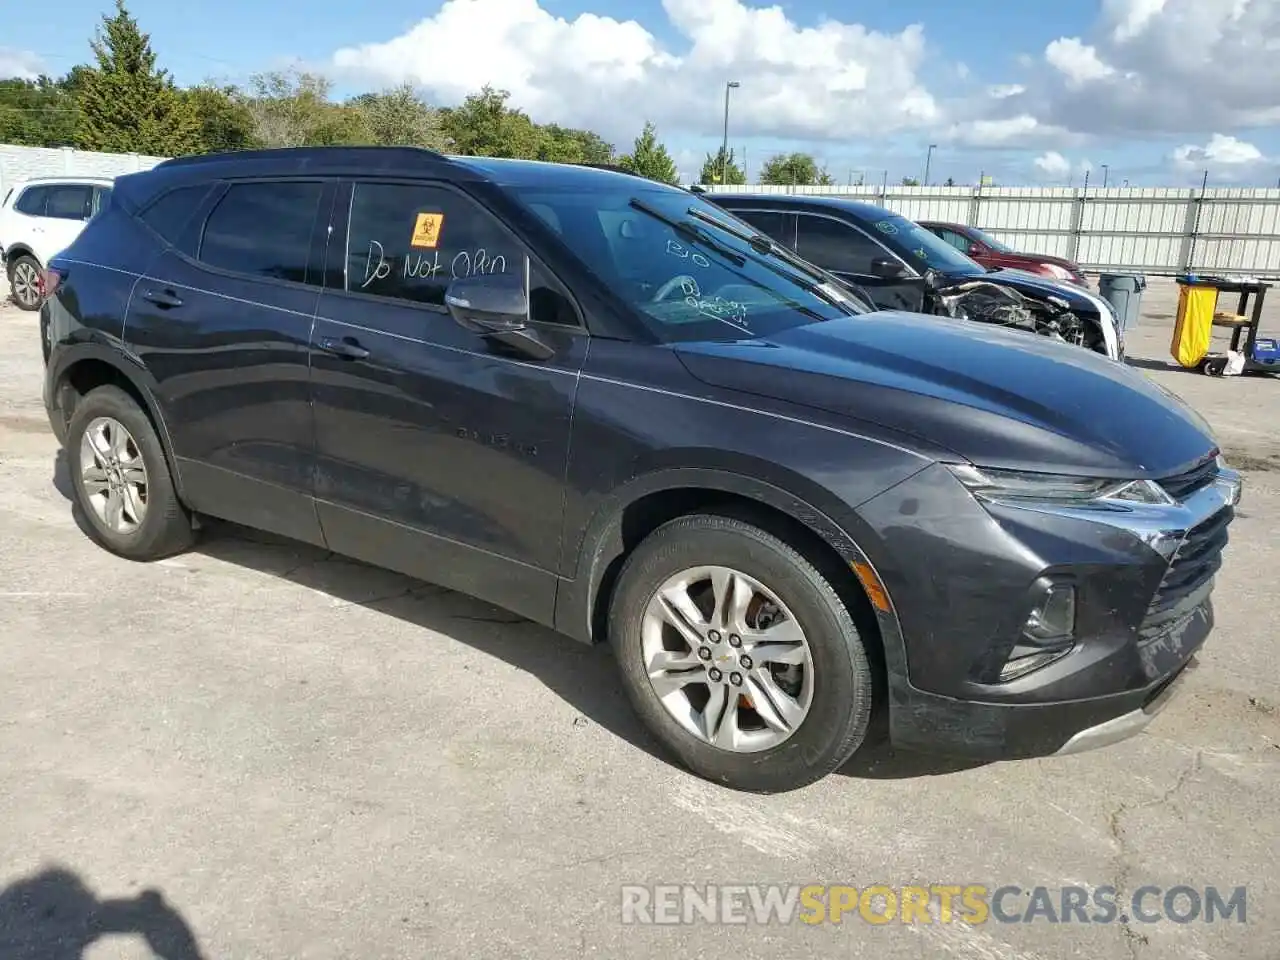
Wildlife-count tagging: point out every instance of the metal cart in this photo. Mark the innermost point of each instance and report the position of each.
(1261, 354)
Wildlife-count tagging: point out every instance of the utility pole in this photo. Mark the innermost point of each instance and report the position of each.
(1105, 169)
(927, 158)
(724, 149)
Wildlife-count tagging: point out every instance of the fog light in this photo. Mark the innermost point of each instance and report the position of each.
(1047, 635)
(1054, 618)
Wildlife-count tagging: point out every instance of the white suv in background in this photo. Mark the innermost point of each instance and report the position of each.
(38, 218)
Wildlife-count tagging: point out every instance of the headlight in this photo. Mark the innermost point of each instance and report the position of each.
(1062, 273)
(997, 484)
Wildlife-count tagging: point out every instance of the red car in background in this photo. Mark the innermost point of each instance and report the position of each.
(992, 253)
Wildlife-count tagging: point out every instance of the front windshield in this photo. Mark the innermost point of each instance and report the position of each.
(990, 241)
(694, 282)
(922, 248)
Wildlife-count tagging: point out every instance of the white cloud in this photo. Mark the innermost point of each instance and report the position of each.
(1152, 69)
(21, 64)
(1020, 130)
(1053, 165)
(1220, 151)
(1076, 61)
(1003, 91)
(805, 82)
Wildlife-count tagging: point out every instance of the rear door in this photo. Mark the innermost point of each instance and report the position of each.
(222, 319)
(67, 208)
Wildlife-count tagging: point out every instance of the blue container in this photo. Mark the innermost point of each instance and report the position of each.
(1266, 350)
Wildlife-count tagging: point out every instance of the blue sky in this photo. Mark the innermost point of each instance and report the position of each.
(1086, 82)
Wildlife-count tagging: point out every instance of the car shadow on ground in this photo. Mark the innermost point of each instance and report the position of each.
(53, 915)
(583, 676)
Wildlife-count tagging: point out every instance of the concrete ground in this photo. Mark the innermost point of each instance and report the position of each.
(307, 758)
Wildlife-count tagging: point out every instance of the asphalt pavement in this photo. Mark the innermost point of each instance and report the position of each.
(257, 750)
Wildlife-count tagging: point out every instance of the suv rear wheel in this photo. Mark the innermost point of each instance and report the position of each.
(121, 478)
(24, 282)
(739, 655)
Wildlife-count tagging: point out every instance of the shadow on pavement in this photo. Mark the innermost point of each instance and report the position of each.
(53, 915)
(584, 677)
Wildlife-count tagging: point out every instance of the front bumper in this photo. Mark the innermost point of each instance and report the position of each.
(958, 572)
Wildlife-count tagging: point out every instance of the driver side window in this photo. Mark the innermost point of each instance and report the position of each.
(835, 246)
(410, 241)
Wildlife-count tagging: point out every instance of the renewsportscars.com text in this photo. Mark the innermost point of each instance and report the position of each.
(880, 904)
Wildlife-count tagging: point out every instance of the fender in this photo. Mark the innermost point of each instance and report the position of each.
(602, 544)
(130, 367)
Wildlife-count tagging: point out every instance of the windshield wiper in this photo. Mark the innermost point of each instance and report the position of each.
(827, 286)
(687, 229)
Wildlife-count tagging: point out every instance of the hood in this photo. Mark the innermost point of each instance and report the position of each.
(999, 398)
(1033, 258)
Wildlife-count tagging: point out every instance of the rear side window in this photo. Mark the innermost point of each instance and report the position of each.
(263, 229)
(32, 201)
(172, 211)
(69, 202)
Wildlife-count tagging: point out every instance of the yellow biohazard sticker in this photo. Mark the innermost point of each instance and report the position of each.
(426, 230)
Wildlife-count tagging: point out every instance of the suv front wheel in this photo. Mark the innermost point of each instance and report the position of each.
(24, 282)
(739, 655)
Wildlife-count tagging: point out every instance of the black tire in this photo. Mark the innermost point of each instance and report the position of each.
(166, 528)
(839, 714)
(23, 262)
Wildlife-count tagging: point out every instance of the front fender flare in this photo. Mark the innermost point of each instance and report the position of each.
(602, 544)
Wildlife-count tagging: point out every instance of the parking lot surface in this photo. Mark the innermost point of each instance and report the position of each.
(304, 757)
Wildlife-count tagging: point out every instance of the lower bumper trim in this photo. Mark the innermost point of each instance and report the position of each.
(1124, 726)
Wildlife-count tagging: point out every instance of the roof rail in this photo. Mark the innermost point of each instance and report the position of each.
(274, 153)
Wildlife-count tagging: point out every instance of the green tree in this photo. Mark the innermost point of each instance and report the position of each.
(37, 113)
(910, 182)
(559, 144)
(649, 158)
(484, 126)
(794, 169)
(721, 168)
(126, 103)
(400, 117)
(288, 108)
(225, 121)
(950, 182)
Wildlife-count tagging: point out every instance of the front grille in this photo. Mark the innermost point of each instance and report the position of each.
(1189, 580)
(1185, 484)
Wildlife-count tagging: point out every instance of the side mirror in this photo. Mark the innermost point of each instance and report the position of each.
(886, 268)
(489, 304)
(976, 250)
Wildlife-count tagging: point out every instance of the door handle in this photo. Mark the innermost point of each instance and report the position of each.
(346, 347)
(162, 298)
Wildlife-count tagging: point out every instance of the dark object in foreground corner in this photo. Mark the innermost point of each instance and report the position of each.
(52, 915)
(607, 405)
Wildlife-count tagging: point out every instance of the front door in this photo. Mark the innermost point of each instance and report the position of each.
(843, 249)
(440, 452)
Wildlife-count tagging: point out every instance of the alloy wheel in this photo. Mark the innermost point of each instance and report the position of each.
(727, 659)
(113, 475)
(26, 283)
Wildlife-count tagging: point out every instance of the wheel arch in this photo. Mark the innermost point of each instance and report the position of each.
(84, 367)
(645, 503)
(15, 251)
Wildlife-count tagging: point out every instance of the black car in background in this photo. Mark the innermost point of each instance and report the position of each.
(602, 403)
(900, 265)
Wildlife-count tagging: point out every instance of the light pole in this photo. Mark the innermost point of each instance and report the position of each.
(927, 158)
(724, 149)
(1105, 168)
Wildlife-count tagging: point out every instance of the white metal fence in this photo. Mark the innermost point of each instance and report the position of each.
(1155, 230)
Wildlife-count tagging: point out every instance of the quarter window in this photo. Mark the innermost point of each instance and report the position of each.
(32, 201)
(168, 215)
(263, 229)
(835, 246)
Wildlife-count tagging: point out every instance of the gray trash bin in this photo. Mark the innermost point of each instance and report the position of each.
(1124, 292)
